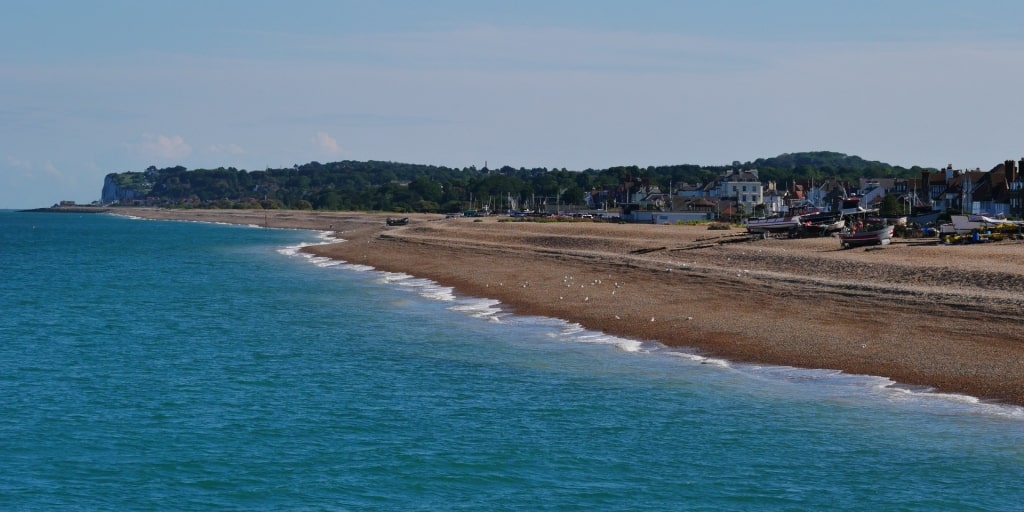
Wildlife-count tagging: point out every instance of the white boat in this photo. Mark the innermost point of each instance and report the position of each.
(799, 218)
(778, 224)
(834, 227)
(882, 236)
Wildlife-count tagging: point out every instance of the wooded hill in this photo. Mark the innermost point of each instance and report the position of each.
(402, 187)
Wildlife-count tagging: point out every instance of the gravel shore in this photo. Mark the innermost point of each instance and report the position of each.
(946, 317)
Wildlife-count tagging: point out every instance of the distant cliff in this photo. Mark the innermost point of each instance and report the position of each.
(124, 187)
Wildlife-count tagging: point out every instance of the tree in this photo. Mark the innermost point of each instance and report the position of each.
(426, 188)
(890, 206)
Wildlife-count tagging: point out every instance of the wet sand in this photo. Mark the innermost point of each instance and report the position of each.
(946, 317)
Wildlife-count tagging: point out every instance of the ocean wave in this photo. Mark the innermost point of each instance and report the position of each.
(479, 308)
(577, 333)
(697, 358)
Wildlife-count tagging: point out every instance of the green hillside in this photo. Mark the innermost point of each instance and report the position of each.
(403, 187)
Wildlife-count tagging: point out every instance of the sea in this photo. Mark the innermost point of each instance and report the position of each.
(159, 365)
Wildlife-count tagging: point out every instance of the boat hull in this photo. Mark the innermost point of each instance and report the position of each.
(773, 225)
(877, 237)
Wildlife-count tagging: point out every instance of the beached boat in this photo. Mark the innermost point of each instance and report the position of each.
(802, 218)
(851, 207)
(967, 224)
(779, 224)
(833, 227)
(880, 236)
(397, 222)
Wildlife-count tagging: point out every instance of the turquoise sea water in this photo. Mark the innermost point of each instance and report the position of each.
(181, 366)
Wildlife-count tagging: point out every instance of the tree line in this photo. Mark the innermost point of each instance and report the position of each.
(403, 187)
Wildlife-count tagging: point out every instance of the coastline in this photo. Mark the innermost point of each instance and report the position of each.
(918, 314)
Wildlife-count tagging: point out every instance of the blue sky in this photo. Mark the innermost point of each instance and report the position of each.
(88, 88)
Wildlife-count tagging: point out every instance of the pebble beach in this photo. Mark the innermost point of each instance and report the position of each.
(917, 312)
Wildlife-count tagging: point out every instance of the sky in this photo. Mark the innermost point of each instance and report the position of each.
(90, 88)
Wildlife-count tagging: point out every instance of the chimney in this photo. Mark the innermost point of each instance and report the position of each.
(1010, 168)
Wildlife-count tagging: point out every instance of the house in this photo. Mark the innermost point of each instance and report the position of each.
(991, 194)
(1015, 185)
(689, 204)
(775, 202)
(744, 188)
(689, 191)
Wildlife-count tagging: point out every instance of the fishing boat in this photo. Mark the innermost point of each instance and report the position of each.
(881, 236)
(777, 224)
(798, 218)
(832, 227)
(851, 207)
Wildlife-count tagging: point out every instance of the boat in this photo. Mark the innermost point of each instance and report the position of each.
(799, 218)
(397, 222)
(819, 217)
(851, 208)
(833, 227)
(967, 224)
(778, 224)
(880, 236)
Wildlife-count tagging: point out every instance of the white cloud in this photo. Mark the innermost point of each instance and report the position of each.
(52, 170)
(326, 143)
(226, 149)
(18, 164)
(163, 146)
(31, 169)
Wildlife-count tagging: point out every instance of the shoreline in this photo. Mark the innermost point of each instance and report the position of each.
(919, 315)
